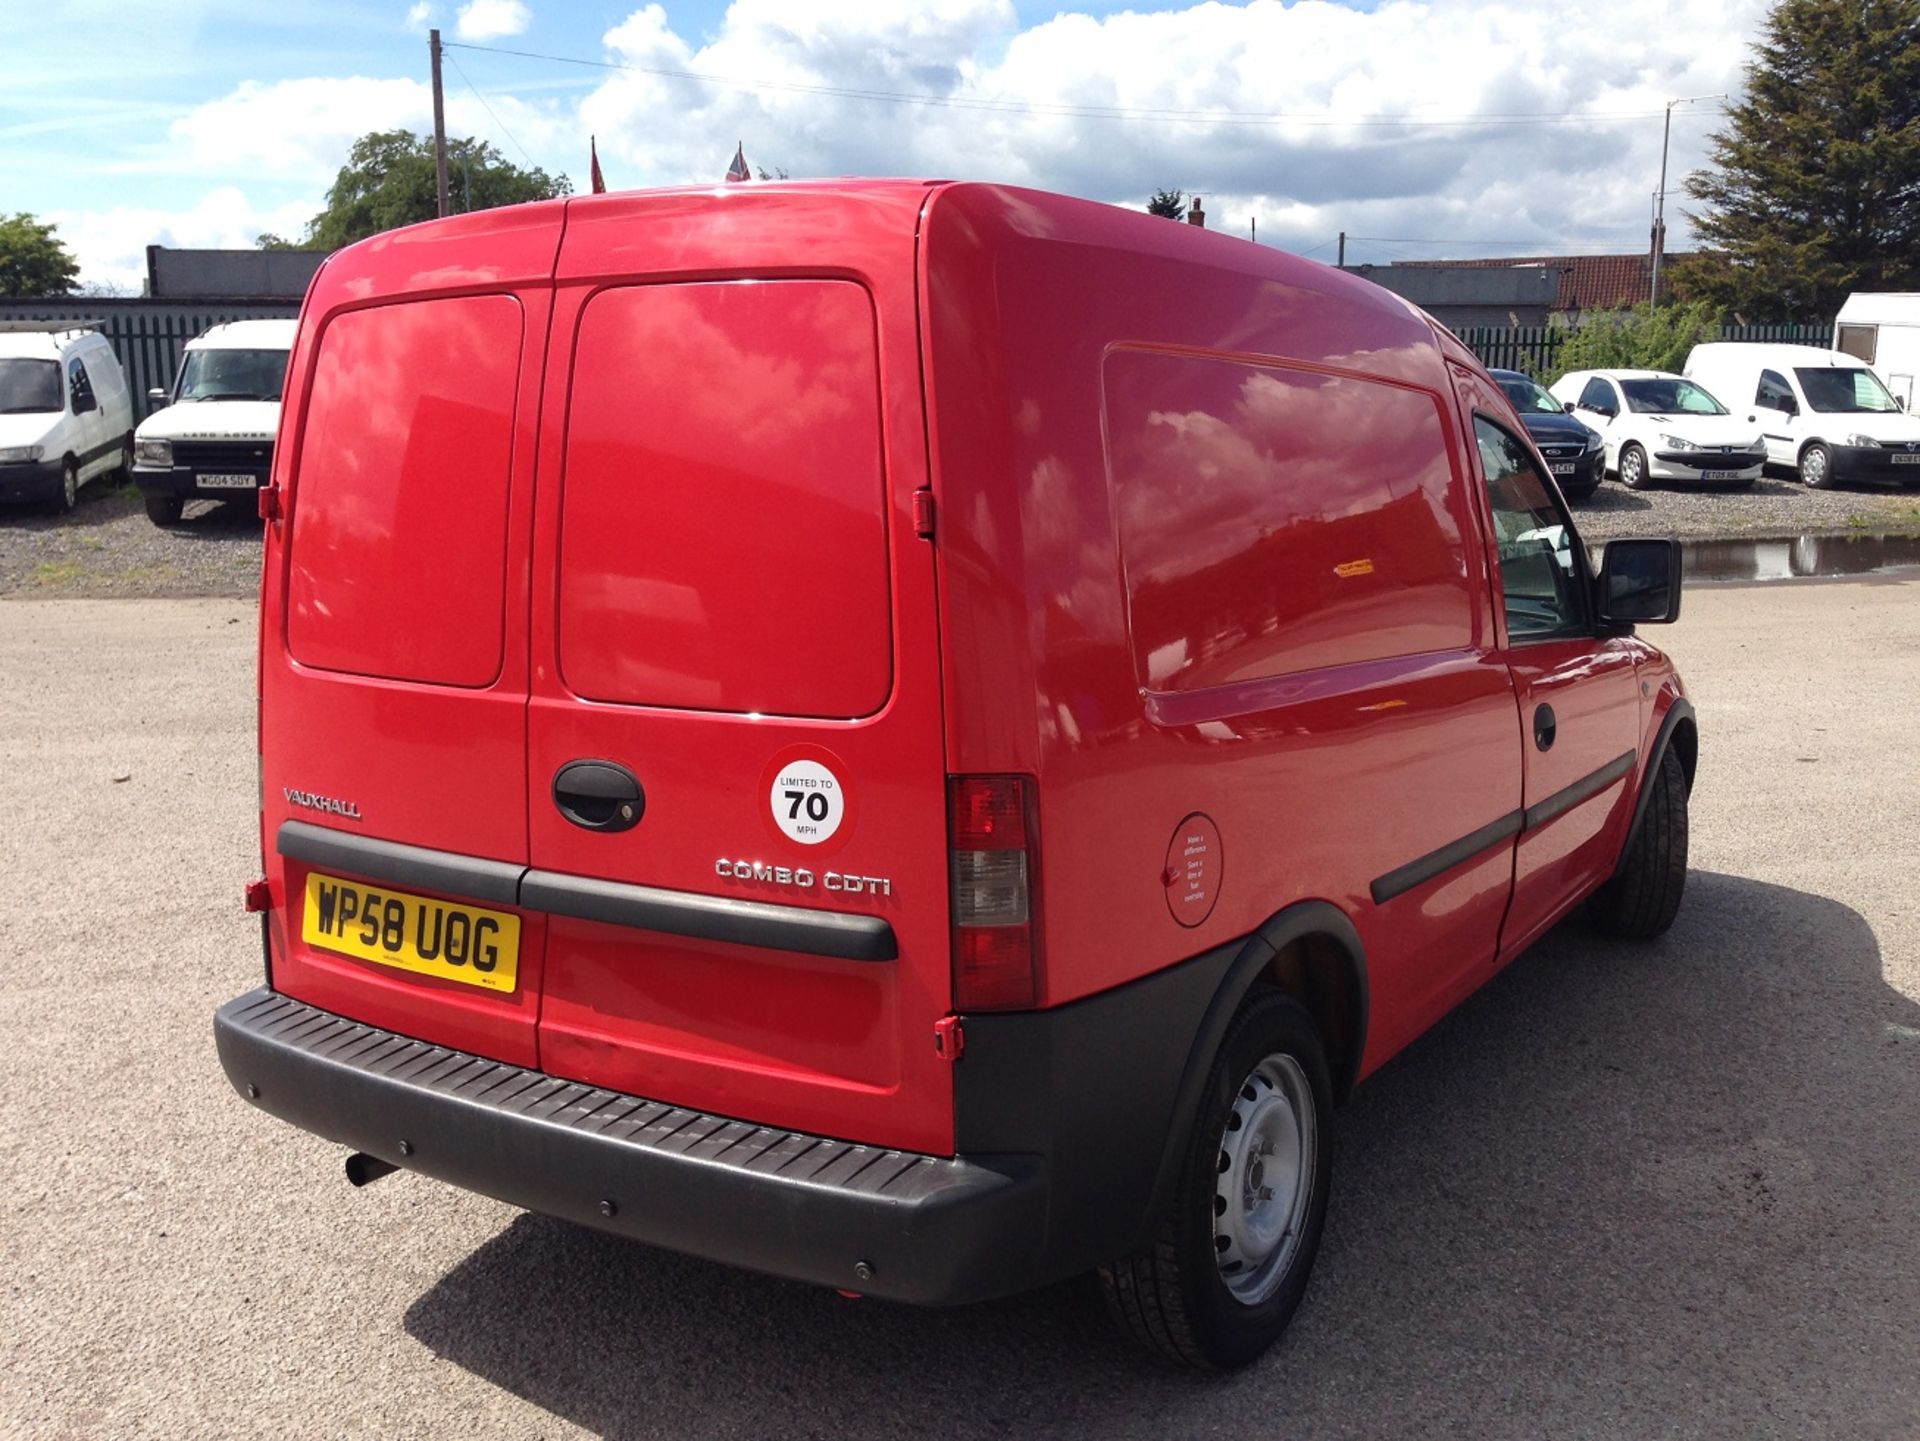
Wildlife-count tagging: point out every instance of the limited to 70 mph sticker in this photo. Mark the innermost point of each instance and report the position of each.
(808, 801)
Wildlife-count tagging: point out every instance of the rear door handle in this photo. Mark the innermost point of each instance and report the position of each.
(599, 795)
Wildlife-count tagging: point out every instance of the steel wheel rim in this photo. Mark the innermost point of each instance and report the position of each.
(1814, 467)
(70, 485)
(1630, 468)
(1264, 1179)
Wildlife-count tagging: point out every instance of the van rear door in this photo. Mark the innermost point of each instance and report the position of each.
(736, 794)
(393, 667)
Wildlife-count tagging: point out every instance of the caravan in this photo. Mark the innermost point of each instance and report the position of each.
(1883, 329)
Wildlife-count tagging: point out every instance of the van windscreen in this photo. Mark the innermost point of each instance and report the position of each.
(723, 534)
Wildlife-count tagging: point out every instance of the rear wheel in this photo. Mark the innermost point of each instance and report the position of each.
(165, 509)
(1816, 467)
(1231, 1257)
(1633, 467)
(1643, 897)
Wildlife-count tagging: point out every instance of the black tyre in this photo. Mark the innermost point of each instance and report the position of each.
(1231, 1257)
(165, 509)
(67, 494)
(1643, 897)
(1816, 467)
(1633, 468)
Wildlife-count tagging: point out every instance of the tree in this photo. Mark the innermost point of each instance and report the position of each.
(1170, 203)
(33, 260)
(1642, 338)
(1814, 188)
(388, 181)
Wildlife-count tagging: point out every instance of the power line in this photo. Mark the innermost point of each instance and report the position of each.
(1160, 115)
(488, 108)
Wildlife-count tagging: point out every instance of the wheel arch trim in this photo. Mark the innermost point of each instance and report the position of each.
(1304, 920)
(1679, 717)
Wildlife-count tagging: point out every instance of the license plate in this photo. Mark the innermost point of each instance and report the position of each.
(1564, 467)
(1906, 460)
(467, 944)
(227, 482)
(1719, 475)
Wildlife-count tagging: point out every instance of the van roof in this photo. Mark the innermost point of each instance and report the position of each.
(1774, 356)
(48, 344)
(247, 335)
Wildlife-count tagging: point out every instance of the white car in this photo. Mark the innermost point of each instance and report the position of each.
(1660, 426)
(65, 412)
(1824, 414)
(215, 439)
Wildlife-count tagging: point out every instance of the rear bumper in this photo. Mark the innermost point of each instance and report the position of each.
(930, 1230)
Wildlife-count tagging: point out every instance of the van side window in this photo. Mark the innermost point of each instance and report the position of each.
(1543, 568)
(1273, 521)
(1774, 393)
(80, 386)
(1599, 396)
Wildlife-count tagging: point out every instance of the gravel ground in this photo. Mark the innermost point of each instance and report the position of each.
(1668, 1190)
(108, 547)
(1772, 506)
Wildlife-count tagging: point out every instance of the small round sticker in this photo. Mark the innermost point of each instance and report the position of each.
(808, 801)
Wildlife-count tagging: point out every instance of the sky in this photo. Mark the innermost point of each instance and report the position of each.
(1425, 129)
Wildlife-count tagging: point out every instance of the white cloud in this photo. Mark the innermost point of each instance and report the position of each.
(1309, 81)
(420, 16)
(491, 19)
(111, 245)
(301, 130)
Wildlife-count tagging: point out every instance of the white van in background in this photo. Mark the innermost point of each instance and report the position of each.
(1883, 329)
(1824, 414)
(214, 438)
(65, 412)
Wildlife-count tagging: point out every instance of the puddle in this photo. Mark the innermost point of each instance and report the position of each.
(1803, 557)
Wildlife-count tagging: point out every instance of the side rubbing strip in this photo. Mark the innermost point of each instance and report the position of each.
(1585, 788)
(1418, 872)
(713, 918)
(402, 865)
(1415, 873)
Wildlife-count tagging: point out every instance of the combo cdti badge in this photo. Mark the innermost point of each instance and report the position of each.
(917, 737)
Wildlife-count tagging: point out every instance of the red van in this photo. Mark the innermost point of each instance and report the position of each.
(915, 736)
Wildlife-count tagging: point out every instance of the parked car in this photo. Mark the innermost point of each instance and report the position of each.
(1883, 329)
(214, 438)
(1659, 426)
(65, 412)
(1824, 414)
(1575, 453)
(915, 737)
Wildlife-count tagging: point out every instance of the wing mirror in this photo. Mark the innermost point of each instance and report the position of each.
(158, 395)
(1639, 582)
(1567, 405)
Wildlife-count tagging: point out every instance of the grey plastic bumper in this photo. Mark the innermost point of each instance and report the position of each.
(926, 1229)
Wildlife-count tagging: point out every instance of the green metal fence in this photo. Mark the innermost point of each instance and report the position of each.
(1536, 348)
(147, 336)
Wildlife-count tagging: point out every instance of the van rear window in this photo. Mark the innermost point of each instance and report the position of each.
(723, 538)
(398, 546)
(1274, 521)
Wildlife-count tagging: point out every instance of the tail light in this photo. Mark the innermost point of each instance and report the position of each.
(992, 828)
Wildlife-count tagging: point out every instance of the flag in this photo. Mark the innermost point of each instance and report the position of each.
(599, 180)
(738, 170)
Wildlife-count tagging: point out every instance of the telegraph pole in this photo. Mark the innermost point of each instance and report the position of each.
(439, 124)
(1341, 263)
(1660, 196)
